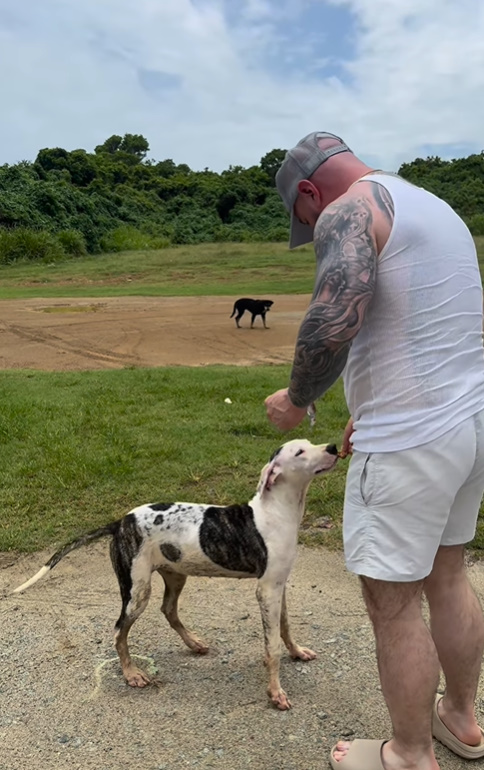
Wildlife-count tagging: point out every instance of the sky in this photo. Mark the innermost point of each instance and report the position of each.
(214, 83)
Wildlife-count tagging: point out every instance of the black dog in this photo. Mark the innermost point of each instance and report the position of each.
(254, 306)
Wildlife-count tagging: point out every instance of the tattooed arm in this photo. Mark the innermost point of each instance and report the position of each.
(346, 249)
(349, 235)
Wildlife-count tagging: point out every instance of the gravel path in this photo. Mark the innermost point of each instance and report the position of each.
(65, 705)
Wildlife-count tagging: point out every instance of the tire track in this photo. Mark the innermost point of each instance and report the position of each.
(57, 343)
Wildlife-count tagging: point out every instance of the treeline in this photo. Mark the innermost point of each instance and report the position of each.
(117, 198)
(460, 182)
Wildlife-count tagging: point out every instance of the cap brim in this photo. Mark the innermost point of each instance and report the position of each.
(300, 234)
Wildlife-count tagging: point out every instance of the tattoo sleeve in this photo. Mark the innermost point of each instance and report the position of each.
(346, 256)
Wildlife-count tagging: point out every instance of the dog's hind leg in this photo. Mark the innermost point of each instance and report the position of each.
(270, 603)
(295, 651)
(133, 571)
(134, 676)
(238, 317)
(174, 584)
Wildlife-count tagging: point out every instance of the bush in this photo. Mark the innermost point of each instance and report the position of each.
(231, 234)
(475, 223)
(73, 242)
(24, 244)
(276, 234)
(128, 238)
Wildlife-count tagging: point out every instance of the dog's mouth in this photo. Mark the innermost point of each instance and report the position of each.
(326, 467)
(331, 461)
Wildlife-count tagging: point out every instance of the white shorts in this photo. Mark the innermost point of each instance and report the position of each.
(401, 506)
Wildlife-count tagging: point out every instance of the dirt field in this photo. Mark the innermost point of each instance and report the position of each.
(65, 706)
(79, 334)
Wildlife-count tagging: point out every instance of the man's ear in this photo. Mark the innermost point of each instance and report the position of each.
(268, 476)
(307, 188)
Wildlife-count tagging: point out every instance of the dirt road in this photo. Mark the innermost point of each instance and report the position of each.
(77, 334)
(65, 705)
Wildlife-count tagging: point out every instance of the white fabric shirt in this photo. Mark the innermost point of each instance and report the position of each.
(416, 368)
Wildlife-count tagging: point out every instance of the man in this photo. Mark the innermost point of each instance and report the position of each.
(397, 308)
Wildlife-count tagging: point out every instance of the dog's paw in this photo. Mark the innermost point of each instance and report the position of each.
(302, 653)
(280, 700)
(137, 678)
(199, 647)
(194, 643)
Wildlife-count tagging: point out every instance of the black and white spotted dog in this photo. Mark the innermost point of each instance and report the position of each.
(253, 540)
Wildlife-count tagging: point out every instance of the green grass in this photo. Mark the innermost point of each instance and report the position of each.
(207, 269)
(81, 449)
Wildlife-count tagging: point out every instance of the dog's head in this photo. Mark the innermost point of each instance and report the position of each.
(267, 303)
(297, 462)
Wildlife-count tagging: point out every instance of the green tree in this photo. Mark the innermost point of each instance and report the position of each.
(271, 163)
(135, 144)
(81, 167)
(116, 198)
(110, 146)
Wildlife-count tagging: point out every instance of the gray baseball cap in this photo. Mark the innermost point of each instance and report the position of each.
(300, 163)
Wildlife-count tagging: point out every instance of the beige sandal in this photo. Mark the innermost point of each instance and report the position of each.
(362, 755)
(443, 734)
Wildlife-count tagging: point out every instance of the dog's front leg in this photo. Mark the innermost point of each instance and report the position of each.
(269, 597)
(295, 651)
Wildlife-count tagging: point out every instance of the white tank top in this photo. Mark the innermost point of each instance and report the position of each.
(416, 368)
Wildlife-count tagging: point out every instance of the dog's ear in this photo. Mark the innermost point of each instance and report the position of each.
(268, 476)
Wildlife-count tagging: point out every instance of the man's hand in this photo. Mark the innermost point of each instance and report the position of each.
(347, 447)
(282, 412)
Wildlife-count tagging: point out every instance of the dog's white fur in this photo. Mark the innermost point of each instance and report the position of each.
(173, 544)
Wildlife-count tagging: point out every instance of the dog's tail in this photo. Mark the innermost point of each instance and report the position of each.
(109, 529)
(233, 311)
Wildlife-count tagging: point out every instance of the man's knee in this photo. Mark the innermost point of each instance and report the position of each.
(448, 569)
(388, 601)
(449, 561)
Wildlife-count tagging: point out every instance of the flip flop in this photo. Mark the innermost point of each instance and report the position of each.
(443, 734)
(362, 755)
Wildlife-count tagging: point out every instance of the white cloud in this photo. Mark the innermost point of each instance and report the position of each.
(415, 76)
(419, 73)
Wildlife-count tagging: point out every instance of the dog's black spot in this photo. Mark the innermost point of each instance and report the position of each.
(274, 454)
(161, 506)
(230, 538)
(124, 547)
(332, 449)
(158, 521)
(170, 552)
